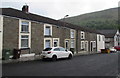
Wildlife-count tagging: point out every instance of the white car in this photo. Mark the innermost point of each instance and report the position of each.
(112, 49)
(56, 52)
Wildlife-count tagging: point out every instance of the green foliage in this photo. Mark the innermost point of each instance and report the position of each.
(106, 19)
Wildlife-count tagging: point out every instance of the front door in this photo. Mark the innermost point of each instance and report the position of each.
(67, 44)
(91, 46)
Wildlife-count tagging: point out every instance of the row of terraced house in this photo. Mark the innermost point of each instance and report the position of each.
(22, 29)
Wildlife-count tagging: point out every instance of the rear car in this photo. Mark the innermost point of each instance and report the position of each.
(55, 53)
(117, 48)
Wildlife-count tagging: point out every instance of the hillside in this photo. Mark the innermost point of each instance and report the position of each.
(106, 19)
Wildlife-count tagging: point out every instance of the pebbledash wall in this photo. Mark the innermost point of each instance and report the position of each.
(69, 36)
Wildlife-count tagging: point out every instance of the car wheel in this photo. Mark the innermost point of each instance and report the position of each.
(70, 56)
(54, 58)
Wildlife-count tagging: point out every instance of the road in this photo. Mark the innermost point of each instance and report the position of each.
(88, 65)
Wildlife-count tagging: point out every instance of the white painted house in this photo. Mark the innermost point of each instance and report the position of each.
(112, 37)
(100, 42)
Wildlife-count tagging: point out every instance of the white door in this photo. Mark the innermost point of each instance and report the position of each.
(1, 37)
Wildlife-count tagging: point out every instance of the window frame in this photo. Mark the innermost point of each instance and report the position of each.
(82, 35)
(25, 39)
(25, 26)
(72, 33)
(54, 41)
(82, 45)
(45, 26)
(72, 43)
(45, 42)
(24, 33)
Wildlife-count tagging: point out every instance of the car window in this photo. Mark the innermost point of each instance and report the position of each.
(47, 49)
(56, 49)
(62, 49)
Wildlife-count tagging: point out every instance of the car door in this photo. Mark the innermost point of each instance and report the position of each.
(57, 52)
(64, 53)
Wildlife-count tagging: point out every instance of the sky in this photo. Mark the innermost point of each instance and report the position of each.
(57, 9)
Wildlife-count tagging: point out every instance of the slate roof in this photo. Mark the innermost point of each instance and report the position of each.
(34, 17)
(109, 33)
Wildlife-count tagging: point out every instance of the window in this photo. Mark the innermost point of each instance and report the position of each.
(103, 38)
(94, 44)
(72, 44)
(72, 34)
(47, 43)
(99, 38)
(24, 41)
(82, 35)
(62, 49)
(47, 49)
(56, 49)
(82, 45)
(47, 30)
(55, 42)
(24, 26)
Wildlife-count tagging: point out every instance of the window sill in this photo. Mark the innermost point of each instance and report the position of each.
(24, 32)
(47, 35)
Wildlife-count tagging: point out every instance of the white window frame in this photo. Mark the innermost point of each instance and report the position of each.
(82, 34)
(82, 45)
(72, 33)
(24, 33)
(25, 25)
(24, 39)
(94, 44)
(73, 46)
(86, 42)
(54, 41)
(50, 42)
(47, 25)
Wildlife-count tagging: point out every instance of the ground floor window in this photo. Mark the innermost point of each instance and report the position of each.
(47, 43)
(55, 42)
(24, 41)
(82, 45)
(72, 43)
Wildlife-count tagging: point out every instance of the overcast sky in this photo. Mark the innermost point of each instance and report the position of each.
(57, 9)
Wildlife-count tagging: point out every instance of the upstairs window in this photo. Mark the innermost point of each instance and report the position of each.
(48, 30)
(25, 26)
(82, 35)
(72, 34)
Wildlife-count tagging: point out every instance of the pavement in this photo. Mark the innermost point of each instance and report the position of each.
(32, 57)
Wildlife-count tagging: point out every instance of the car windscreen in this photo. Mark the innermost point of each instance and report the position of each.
(47, 49)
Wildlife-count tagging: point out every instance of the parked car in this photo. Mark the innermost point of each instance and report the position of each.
(117, 48)
(112, 49)
(55, 53)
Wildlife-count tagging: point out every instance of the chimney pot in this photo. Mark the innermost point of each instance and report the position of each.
(25, 8)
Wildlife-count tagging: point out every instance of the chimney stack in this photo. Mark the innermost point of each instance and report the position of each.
(25, 8)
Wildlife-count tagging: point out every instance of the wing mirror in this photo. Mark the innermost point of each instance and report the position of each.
(66, 50)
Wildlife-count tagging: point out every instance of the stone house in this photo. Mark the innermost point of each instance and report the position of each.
(22, 30)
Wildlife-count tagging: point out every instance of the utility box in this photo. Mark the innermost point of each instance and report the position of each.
(5, 54)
